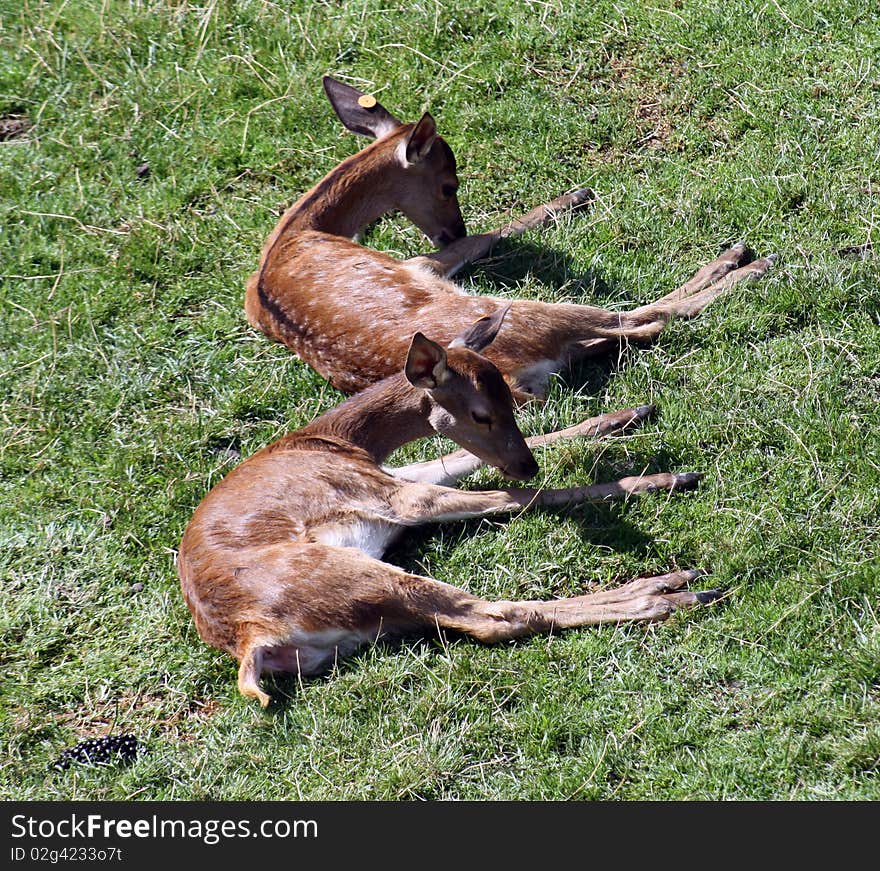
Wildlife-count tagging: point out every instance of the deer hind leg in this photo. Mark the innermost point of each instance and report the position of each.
(354, 599)
(452, 467)
(293, 657)
(691, 305)
(734, 257)
(459, 253)
(712, 280)
(297, 608)
(407, 604)
(249, 671)
(645, 599)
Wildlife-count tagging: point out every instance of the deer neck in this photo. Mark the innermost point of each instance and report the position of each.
(379, 419)
(351, 196)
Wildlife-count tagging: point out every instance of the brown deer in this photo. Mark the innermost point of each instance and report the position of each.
(349, 311)
(280, 564)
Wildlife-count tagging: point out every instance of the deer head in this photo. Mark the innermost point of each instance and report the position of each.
(426, 183)
(470, 400)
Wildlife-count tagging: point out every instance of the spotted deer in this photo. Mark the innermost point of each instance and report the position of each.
(281, 563)
(350, 311)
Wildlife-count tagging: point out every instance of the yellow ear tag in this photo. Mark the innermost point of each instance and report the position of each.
(367, 101)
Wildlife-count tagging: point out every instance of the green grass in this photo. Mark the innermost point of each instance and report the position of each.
(130, 382)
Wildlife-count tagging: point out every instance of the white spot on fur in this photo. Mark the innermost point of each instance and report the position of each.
(535, 379)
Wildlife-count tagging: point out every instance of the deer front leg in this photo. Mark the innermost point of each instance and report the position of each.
(459, 253)
(452, 467)
(415, 504)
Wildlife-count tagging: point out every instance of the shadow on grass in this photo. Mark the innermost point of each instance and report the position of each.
(286, 689)
(512, 260)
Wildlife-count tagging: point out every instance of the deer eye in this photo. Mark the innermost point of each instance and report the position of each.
(481, 419)
(449, 190)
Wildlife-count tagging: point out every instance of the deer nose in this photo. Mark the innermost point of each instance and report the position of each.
(450, 234)
(522, 470)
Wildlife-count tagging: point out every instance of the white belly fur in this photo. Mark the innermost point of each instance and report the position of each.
(370, 535)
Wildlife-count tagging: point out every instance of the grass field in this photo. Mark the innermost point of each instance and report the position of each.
(165, 139)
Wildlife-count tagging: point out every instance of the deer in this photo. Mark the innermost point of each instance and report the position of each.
(281, 563)
(349, 311)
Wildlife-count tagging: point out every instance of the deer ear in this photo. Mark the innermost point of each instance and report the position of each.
(357, 111)
(482, 333)
(425, 363)
(420, 140)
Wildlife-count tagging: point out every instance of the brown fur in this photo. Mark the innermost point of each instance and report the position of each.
(280, 564)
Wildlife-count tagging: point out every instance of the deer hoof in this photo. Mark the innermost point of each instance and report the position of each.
(687, 480)
(706, 597)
